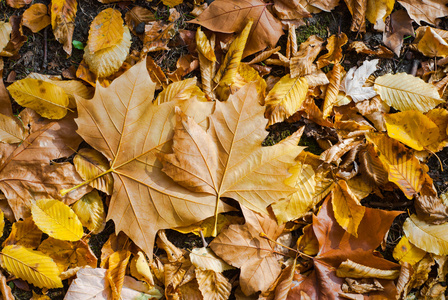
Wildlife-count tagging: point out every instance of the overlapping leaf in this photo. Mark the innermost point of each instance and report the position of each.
(63, 13)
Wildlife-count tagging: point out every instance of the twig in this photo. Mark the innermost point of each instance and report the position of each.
(44, 64)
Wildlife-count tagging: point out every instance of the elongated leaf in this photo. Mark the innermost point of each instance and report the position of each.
(213, 285)
(5, 31)
(11, 130)
(57, 220)
(331, 95)
(285, 98)
(90, 211)
(406, 92)
(403, 167)
(63, 13)
(90, 163)
(106, 30)
(115, 273)
(431, 238)
(32, 266)
(203, 45)
(48, 100)
(352, 269)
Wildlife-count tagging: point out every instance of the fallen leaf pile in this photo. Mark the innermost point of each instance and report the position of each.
(124, 148)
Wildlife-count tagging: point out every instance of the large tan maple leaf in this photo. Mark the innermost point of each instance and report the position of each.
(228, 160)
(122, 122)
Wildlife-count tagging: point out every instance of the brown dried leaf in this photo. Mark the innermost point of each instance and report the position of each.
(302, 63)
(425, 10)
(400, 25)
(334, 48)
(17, 38)
(36, 17)
(63, 13)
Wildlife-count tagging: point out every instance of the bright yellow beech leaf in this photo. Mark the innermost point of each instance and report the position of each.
(404, 251)
(32, 266)
(203, 45)
(90, 211)
(140, 269)
(406, 92)
(378, 9)
(248, 74)
(412, 128)
(285, 98)
(106, 30)
(57, 220)
(403, 167)
(207, 226)
(107, 61)
(48, 100)
(90, 163)
(440, 117)
(348, 211)
(431, 238)
(181, 90)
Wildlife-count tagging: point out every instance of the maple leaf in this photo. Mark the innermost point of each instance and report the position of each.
(242, 247)
(337, 245)
(129, 130)
(228, 160)
(231, 16)
(26, 173)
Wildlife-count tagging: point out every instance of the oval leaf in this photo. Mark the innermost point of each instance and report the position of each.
(106, 30)
(32, 266)
(90, 163)
(57, 220)
(90, 211)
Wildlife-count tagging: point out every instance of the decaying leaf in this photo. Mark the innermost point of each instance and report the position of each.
(351, 269)
(213, 285)
(11, 130)
(426, 10)
(334, 48)
(63, 13)
(432, 44)
(353, 83)
(24, 233)
(36, 18)
(302, 63)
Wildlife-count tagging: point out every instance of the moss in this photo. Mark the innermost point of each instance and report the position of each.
(311, 144)
(316, 26)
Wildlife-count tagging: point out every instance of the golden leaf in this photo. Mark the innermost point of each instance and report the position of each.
(36, 17)
(107, 61)
(48, 100)
(32, 266)
(5, 32)
(285, 98)
(440, 117)
(351, 269)
(203, 45)
(431, 238)
(205, 259)
(116, 268)
(302, 63)
(90, 163)
(403, 167)
(207, 226)
(106, 30)
(348, 211)
(247, 74)
(334, 48)
(404, 251)
(140, 268)
(331, 95)
(63, 13)
(90, 211)
(57, 220)
(213, 285)
(432, 44)
(2, 222)
(24, 233)
(11, 130)
(181, 91)
(406, 92)
(378, 9)
(412, 128)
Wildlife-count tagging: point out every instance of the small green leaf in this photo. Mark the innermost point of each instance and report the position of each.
(78, 45)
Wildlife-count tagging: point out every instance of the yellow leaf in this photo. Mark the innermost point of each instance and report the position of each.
(90, 211)
(68, 254)
(247, 74)
(432, 44)
(378, 9)
(172, 3)
(39, 297)
(24, 233)
(203, 45)
(107, 61)
(63, 13)
(5, 31)
(403, 167)
(227, 72)
(204, 258)
(57, 220)
(300, 202)
(181, 91)
(116, 268)
(208, 224)
(36, 17)
(334, 48)
(431, 238)
(351, 269)
(90, 163)
(48, 100)
(412, 128)
(331, 95)
(32, 266)
(406, 92)
(106, 30)
(404, 251)
(285, 98)
(11, 130)
(307, 242)
(2, 222)
(440, 117)
(348, 211)
(140, 268)
(213, 285)
(74, 88)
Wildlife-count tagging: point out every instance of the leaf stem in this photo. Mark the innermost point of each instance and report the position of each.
(63, 192)
(263, 235)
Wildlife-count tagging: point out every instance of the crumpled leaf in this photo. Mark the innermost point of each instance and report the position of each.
(211, 164)
(432, 44)
(334, 48)
(431, 238)
(32, 266)
(351, 269)
(5, 32)
(403, 167)
(181, 91)
(406, 92)
(267, 29)
(400, 26)
(63, 14)
(354, 80)
(36, 18)
(57, 220)
(425, 10)
(378, 9)
(106, 30)
(302, 63)
(140, 269)
(17, 37)
(157, 35)
(331, 94)
(116, 268)
(46, 141)
(242, 247)
(48, 100)
(285, 98)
